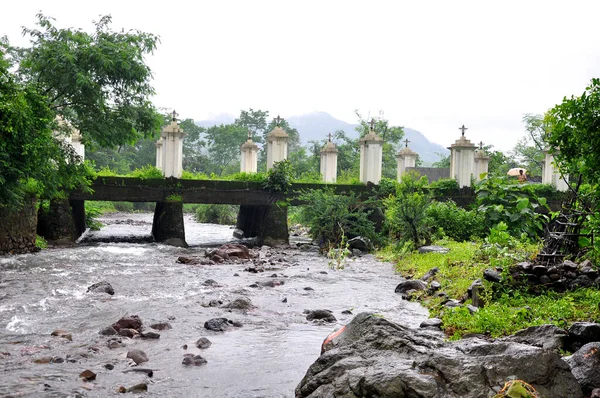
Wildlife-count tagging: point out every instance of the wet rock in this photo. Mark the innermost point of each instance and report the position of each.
(309, 248)
(101, 287)
(452, 303)
(161, 326)
(88, 375)
(545, 280)
(580, 282)
(142, 387)
(434, 286)
(492, 275)
(128, 322)
(356, 253)
(203, 343)
(373, 357)
(114, 343)
(230, 251)
(320, 315)
(42, 360)
(581, 333)
(431, 323)
(238, 233)
(236, 274)
(147, 372)
(213, 303)
(589, 272)
(109, 366)
(193, 360)
(126, 332)
(430, 274)
(210, 282)
(284, 300)
(254, 285)
(271, 283)
(194, 261)
(411, 284)
(149, 335)
(220, 324)
(108, 331)
(138, 356)
(472, 309)
(595, 393)
(545, 336)
(323, 272)
(63, 334)
(585, 366)
(433, 249)
(540, 270)
(308, 288)
(360, 243)
(241, 303)
(569, 265)
(347, 312)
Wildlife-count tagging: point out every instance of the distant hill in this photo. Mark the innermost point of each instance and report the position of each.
(316, 126)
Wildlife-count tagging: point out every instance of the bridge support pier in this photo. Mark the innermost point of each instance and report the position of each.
(167, 226)
(64, 221)
(267, 223)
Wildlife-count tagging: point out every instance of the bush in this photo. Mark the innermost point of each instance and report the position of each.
(147, 172)
(332, 217)
(456, 222)
(279, 177)
(216, 214)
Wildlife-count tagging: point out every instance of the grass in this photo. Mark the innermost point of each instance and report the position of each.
(507, 309)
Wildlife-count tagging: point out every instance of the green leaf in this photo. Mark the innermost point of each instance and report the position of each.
(522, 203)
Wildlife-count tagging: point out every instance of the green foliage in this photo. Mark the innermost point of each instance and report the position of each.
(174, 198)
(252, 177)
(517, 310)
(338, 255)
(95, 209)
(98, 82)
(279, 177)
(457, 223)
(147, 172)
(216, 214)
(332, 217)
(405, 213)
(125, 207)
(40, 242)
(444, 185)
(513, 204)
(443, 163)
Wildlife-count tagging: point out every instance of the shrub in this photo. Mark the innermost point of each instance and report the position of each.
(330, 217)
(147, 172)
(40, 242)
(279, 177)
(216, 214)
(514, 204)
(457, 223)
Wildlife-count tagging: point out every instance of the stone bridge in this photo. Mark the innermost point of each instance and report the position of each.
(260, 215)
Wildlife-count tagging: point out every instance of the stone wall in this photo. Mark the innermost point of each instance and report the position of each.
(432, 173)
(18, 228)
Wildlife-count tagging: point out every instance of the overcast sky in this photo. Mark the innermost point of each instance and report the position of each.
(429, 65)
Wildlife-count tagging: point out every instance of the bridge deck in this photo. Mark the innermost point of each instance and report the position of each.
(198, 191)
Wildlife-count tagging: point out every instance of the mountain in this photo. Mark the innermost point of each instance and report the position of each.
(316, 126)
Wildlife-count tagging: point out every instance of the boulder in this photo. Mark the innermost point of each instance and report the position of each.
(128, 322)
(203, 343)
(430, 274)
(581, 333)
(320, 315)
(433, 249)
(101, 287)
(193, 360)
(108, 331)
(220, 324)
(411, 284)
(149, 335)
(492, 275)
(238, 233)
(360, 243)
(161, 326)
(544, 336)
(137, 356)
(585, 366)
(229, 251)
(431, 323)
(241, 303)
(581, 281)
(373, 357)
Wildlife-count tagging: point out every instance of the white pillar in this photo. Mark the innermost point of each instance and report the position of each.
(462, 160)
(77, 144)
(172, 137)
(371, 156)
(329, 162)
(481, 164)
(159, 154)
(551, 176)
(277, 146)
(249, 161)
(406, 158)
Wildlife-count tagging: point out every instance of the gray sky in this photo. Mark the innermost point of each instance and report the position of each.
(429, 65)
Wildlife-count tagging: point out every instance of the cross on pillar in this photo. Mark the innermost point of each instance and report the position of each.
(480, 144)
(463, 129)
(329, 135)
(278, 121)
(372, 124)
(406, 141)
(175, 114)
(249, 134)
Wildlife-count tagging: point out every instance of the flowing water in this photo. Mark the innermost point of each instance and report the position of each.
(266, 357)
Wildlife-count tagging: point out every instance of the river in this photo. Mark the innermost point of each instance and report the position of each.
(266, 357)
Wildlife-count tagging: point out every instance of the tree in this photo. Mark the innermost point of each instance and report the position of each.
(255, 122)
(224, 142)
(97, 82)
(574, 127)
(529, 150)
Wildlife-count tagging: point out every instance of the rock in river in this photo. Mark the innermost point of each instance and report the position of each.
(101, 287)
(373, 357)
